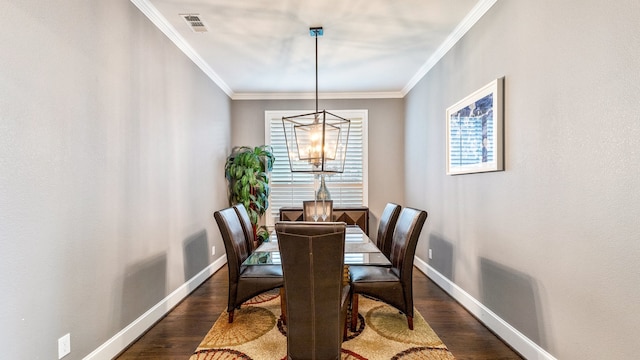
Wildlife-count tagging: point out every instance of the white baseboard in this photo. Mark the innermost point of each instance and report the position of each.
(518, 341)
(129, 334)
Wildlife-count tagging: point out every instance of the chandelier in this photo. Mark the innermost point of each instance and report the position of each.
(316, 142)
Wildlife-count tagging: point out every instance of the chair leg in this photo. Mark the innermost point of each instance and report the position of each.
(231, 316)
(354, 312)
(410, 322)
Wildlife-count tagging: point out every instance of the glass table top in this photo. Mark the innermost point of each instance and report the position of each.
(358, 250)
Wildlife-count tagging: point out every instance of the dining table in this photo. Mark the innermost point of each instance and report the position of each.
(359, 249)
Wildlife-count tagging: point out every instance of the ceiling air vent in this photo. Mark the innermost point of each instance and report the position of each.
(195, 23)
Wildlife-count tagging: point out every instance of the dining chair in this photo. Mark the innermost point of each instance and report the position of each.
(392, 285)
(245, 282)
(388, 221)
(245, 220)
(317, 210)
(317, 295)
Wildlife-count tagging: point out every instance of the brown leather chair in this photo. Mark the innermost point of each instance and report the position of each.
(313, 210)
(317, 295)
(245, 220)
(388, 221)
(392, 285)
(245, 282)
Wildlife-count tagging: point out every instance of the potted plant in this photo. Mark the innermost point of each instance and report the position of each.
(246, 171)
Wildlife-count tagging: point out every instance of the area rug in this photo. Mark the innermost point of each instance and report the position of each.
(257, 333)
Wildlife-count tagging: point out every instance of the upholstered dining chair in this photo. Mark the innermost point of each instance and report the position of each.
(317, 295)
(245, 282)
(393, 285)
(317, 210)
(388, 221)
(245, 220)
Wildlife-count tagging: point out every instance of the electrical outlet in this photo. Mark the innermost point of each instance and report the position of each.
(64, 346)
(213, 250)
(430, 254)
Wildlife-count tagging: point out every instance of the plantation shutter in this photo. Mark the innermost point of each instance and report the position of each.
(290, 189)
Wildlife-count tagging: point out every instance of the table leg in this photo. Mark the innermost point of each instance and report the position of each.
(283, 306)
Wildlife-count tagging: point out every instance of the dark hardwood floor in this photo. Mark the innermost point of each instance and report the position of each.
(178, 334)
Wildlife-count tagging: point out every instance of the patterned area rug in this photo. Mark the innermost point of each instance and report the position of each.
(258, 334)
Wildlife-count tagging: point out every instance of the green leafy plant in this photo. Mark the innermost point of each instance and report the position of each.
(246, 171)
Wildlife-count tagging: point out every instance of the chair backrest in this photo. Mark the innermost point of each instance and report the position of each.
(404, 241)
(245, 220)
(312, 256)
(317, 210)
(387, 225)
(234, 240)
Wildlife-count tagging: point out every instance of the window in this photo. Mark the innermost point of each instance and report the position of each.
(289, 189)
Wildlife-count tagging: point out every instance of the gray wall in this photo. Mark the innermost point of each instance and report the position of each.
(386, 136)
(112, 150)
(551, 244)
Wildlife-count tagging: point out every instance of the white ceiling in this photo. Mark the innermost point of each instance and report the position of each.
(262, 48)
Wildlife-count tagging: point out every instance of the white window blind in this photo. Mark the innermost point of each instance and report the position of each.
(290, 189)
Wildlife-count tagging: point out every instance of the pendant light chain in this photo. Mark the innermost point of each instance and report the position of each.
(316, 72)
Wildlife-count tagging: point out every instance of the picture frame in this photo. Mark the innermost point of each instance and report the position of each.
(475, 140)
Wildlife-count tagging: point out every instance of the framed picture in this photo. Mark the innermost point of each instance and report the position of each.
(475, 131)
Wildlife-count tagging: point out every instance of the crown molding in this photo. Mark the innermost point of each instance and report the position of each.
(467, 23)
(161, 23)
(312, 96)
